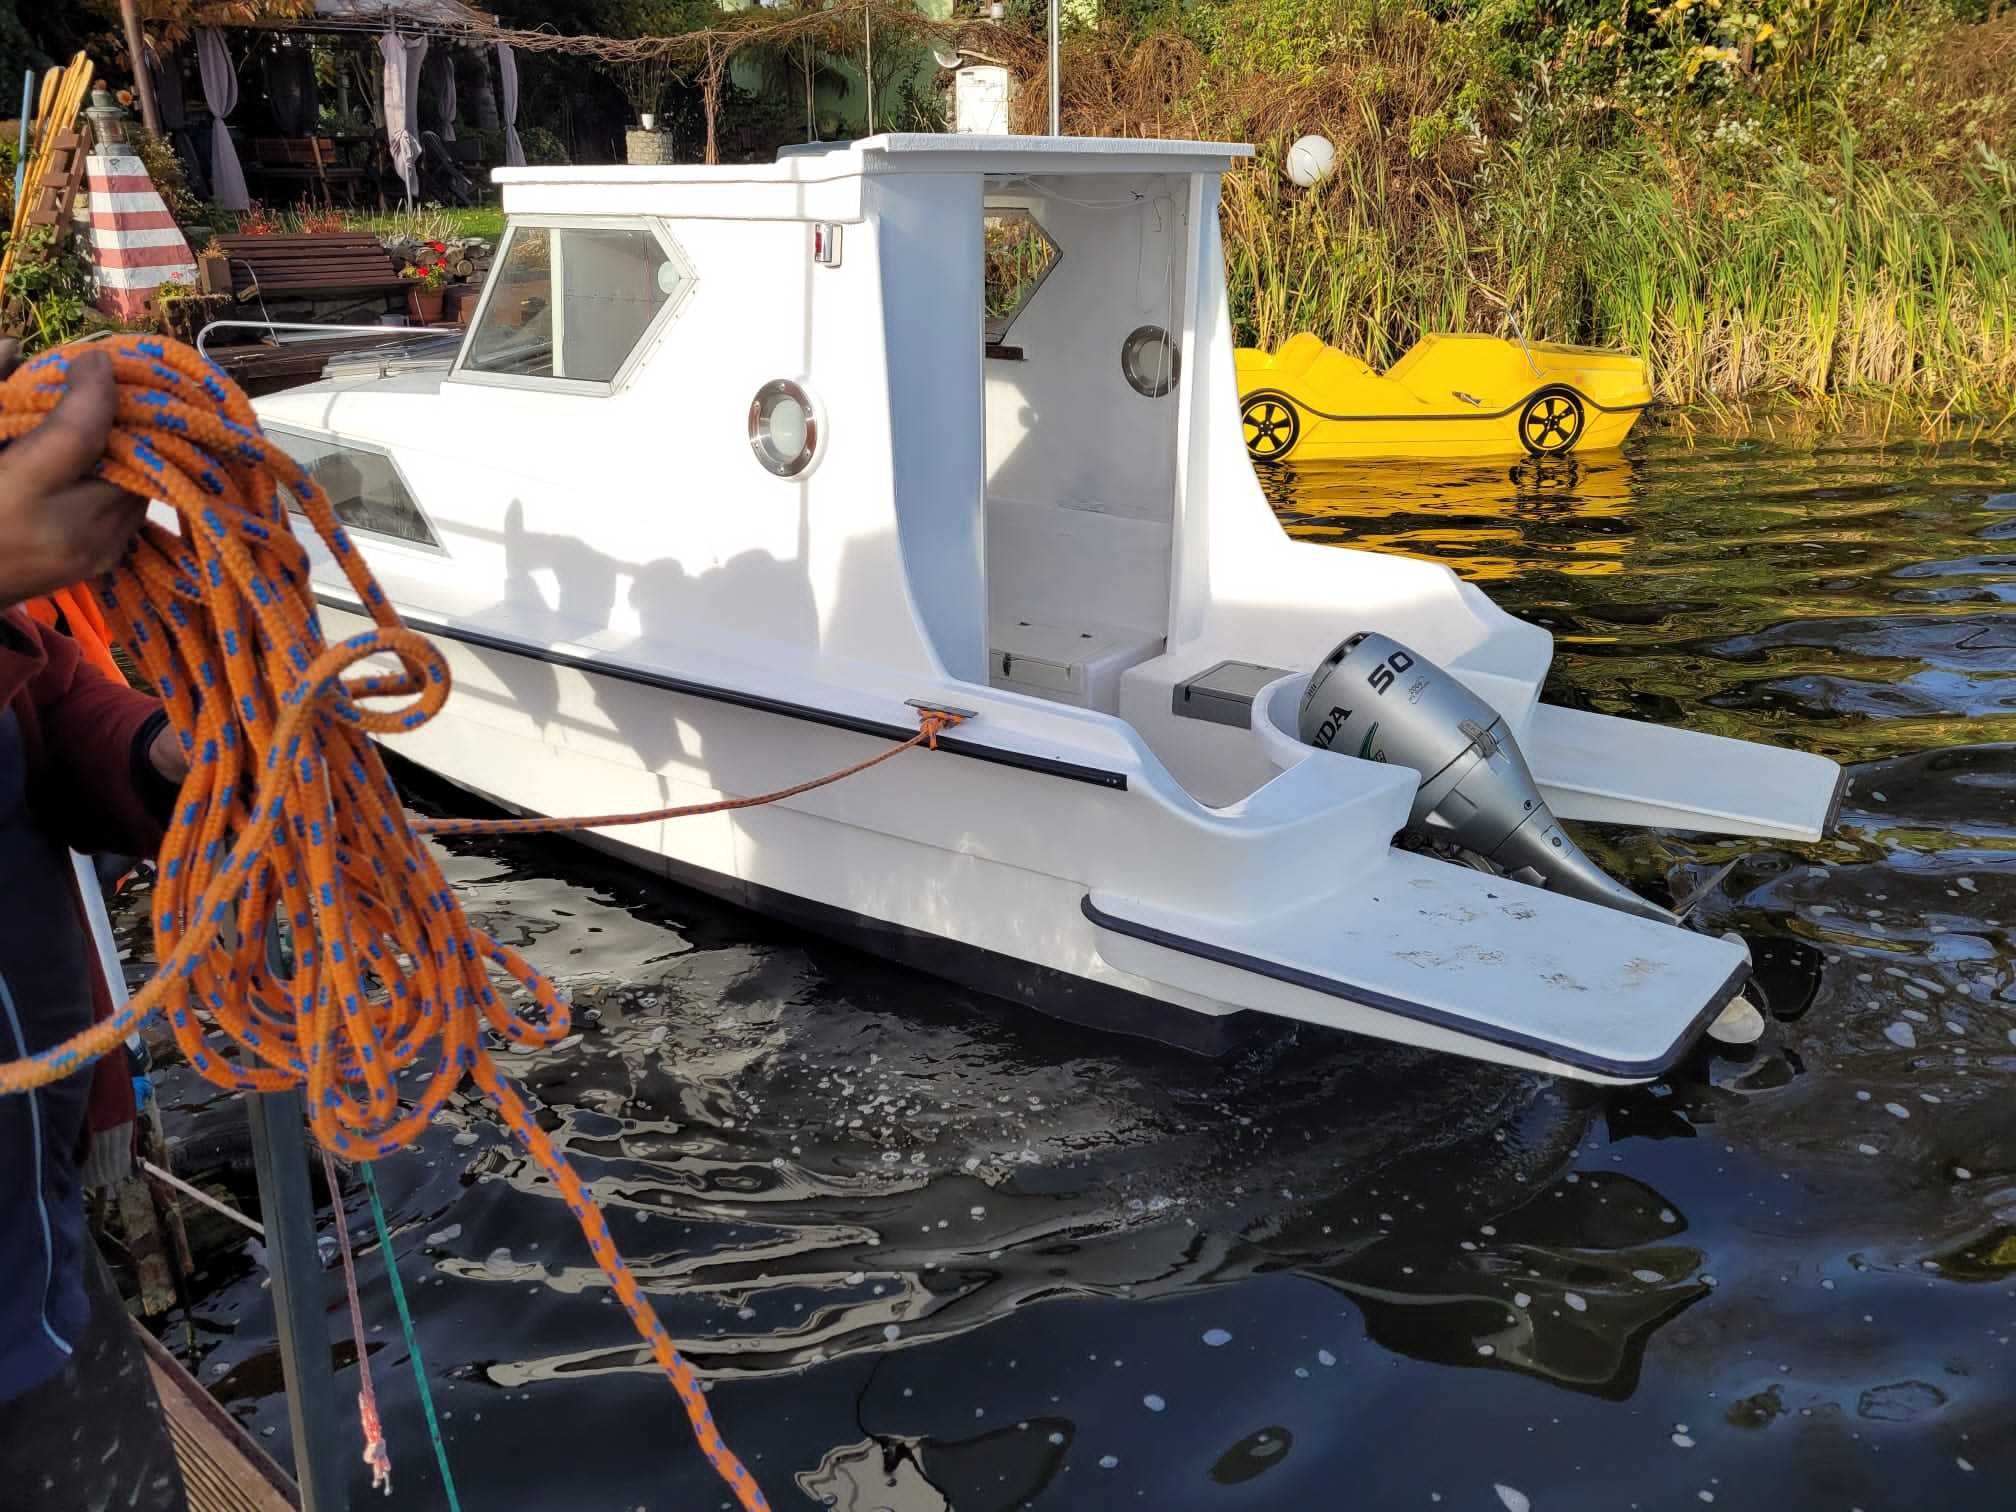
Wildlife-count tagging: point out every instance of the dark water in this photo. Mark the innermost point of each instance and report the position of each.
(933, 1252)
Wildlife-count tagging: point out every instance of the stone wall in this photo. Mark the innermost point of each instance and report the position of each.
(647, 148)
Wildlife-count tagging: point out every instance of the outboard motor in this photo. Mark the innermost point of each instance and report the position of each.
(1373, 698)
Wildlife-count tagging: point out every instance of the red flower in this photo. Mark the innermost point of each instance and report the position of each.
(437, 246)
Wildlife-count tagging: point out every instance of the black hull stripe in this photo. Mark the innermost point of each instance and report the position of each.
(1834, 804)
(1511, 1039)
(832, 718)
(1608, 409)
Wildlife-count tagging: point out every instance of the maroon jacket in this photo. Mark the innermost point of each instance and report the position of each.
(74, 772)
(87, 771)
(85, 738)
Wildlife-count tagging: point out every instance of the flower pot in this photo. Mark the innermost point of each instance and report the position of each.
(648, 121)
(424, 305)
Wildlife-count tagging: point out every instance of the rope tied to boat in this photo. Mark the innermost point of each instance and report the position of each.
(288, 814)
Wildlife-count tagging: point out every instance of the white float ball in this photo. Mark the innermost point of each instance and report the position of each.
(1311, 160)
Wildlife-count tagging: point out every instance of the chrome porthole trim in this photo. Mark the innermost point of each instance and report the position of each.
(1150, 361)
(785, 446)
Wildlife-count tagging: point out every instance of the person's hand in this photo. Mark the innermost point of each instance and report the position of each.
(167, 756)
(58, 524)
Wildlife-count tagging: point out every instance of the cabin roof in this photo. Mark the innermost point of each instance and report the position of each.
(913, 152)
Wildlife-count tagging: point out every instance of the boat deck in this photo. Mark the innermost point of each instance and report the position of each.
(223, 1469)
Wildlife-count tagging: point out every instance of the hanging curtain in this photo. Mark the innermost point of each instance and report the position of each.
(442, 67)
(220, 93)
(291, 91)
(403, 57)
(507, 73)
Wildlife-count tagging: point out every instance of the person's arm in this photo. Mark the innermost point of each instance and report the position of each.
(108, 765)
(58, 524)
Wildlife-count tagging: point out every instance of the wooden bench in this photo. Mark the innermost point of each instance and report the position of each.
(310, 266)
(304, 160)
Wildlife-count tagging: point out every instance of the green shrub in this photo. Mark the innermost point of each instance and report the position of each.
(46, 300)
(542, 147)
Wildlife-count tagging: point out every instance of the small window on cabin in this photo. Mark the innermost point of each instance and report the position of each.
(1019, 255)
(572, 302)
(364, 486)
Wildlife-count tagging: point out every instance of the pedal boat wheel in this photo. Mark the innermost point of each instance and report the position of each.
(1551, 422)
(1271, 426)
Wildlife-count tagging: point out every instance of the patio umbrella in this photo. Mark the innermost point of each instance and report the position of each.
(507, 73)
(403, 57)
(220, 93)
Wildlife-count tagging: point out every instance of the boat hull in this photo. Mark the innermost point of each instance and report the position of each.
(963, 863)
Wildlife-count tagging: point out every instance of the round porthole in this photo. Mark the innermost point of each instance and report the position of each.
(1150, 361)
(783, 428)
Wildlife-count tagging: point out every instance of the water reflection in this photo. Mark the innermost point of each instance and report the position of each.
(1490, 521)
(932, 1253)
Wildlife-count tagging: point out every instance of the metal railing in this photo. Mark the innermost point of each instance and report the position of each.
(275, 327)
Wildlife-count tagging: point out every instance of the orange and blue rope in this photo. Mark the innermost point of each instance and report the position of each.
(288, 810)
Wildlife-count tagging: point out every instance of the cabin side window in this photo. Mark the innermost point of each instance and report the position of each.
(1017, 255)
(364, 485)
(571, 304)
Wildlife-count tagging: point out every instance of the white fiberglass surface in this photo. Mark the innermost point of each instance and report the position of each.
(1080, 464)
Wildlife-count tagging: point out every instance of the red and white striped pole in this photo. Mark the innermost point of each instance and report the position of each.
(136, 247)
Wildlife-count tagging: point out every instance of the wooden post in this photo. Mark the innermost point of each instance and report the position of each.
(136, 53)
(287, 1207)
(710, 96)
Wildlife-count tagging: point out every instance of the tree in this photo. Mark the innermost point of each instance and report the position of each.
(795, 69)
(645, 81)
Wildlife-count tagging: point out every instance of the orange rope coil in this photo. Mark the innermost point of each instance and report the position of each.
(288, 809)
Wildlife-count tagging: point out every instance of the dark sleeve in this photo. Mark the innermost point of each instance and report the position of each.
(94, 787)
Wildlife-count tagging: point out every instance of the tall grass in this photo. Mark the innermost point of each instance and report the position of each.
(1344, 265)
(1810, 279)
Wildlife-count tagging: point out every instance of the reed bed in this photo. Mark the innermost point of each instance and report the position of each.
(1809, 269)
(1849, 278)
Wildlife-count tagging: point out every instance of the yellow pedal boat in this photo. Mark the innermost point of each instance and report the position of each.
(1448, 396)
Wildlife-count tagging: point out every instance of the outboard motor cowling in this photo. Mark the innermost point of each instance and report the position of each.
(1374, 699)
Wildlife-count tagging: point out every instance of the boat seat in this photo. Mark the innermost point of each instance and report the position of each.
(1072, 664)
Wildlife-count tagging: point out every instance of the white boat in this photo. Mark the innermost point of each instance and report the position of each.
(739, 466)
